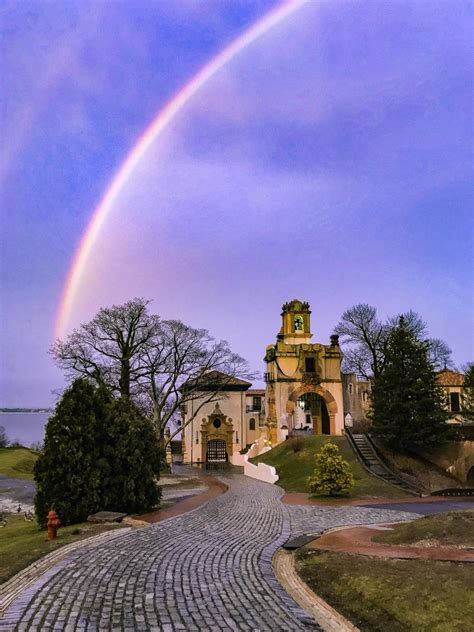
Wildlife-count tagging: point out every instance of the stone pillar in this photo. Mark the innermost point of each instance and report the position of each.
(169, 454)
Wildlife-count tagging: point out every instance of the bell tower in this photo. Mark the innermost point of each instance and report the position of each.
(296, 323)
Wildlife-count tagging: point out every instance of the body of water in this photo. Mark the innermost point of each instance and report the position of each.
(24, 428)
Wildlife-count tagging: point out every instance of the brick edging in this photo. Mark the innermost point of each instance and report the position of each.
(324, 614)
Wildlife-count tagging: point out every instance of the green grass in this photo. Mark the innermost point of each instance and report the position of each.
(380, 595)
(22, 543)
(293, 468)
(18, 462)
(451, 528)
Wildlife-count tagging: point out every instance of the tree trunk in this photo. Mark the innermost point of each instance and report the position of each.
(124, 382)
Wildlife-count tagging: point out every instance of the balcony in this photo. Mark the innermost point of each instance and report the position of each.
(251, 408)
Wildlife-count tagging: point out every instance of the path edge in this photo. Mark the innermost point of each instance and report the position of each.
(325, 615)
(24, 579)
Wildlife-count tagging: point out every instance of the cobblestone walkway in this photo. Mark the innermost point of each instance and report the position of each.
(207, 570)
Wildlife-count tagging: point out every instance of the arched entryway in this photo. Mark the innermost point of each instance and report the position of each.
(312, 408)
(311, 414)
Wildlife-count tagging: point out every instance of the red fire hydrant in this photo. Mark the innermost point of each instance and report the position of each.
(53, 524)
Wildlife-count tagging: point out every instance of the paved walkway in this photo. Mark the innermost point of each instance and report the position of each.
(209, 569)
(359, 540)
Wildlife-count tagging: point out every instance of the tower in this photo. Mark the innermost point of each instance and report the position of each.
(304, 387)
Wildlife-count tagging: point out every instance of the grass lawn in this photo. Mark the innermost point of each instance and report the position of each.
(294, 468)
(22, 543)
(18, 462)
(380, 595)
(451, 528)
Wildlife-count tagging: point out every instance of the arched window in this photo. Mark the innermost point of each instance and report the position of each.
(298, 324)
(351, 389)
(252, 424)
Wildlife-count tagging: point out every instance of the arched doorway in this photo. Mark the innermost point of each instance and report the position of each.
(315, 417)
(315, 407)
(216, 451)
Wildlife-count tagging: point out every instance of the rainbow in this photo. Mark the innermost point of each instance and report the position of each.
(161, 121)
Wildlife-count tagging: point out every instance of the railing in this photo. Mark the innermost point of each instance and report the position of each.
(250, 408)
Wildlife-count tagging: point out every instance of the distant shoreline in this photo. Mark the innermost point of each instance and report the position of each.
(25, 411)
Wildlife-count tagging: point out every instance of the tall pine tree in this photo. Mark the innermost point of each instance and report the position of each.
(407, 403)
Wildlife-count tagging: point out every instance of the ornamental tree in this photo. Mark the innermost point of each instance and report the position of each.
(332, 475)
(408, 410)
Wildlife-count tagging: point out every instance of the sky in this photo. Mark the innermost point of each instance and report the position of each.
(329, 159)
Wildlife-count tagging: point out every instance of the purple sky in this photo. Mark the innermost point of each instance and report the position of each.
(330, 161)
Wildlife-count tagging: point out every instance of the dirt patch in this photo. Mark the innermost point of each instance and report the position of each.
(358, 540)
(300, 498)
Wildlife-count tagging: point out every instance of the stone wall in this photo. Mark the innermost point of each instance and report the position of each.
(456, 457)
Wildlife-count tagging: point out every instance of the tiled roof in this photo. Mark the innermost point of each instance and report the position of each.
(222, 381)
(256, 391)
(450, 378)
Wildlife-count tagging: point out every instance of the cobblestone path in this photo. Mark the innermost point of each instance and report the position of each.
(206, 570)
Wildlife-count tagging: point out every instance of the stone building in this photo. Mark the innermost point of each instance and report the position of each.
(303, 392)
(452, 383)
(304, 385)
(229, 423)
(356, 396)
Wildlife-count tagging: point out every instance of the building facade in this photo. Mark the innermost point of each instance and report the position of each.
(220, 428)
(303, 392)
(304, 383)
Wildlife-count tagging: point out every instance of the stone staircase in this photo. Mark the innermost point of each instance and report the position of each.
(365, 450)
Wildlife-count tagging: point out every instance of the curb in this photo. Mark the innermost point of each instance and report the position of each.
(17, 584)
(328, 618)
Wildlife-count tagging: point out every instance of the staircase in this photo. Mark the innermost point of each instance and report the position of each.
(365, 450)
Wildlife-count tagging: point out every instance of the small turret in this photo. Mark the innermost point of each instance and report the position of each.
(296, 322)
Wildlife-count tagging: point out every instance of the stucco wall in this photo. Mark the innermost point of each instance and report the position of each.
(232, 406)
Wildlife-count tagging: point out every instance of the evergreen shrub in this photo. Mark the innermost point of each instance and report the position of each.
(332, 475)
(99, 454)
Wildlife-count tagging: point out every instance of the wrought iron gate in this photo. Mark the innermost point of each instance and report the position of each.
(216, 451)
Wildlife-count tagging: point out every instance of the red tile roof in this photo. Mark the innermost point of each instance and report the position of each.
(450, 378)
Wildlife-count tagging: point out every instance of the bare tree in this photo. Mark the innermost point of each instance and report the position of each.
(186, 365)
(108, 350)
(161, 365)
(364, 338)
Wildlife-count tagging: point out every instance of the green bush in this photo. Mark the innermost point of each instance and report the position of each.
(332, 475)
(99, 454)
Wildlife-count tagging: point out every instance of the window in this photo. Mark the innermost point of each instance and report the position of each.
(454, 401)
(252, 424)
(309, 365)
(350, 389)
(257, 403)
(216, 423)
